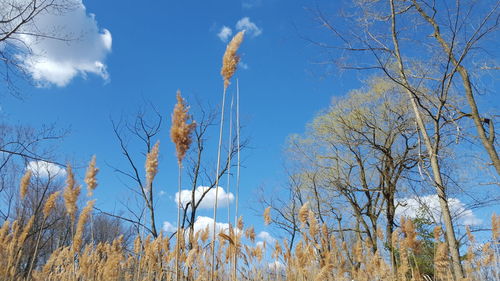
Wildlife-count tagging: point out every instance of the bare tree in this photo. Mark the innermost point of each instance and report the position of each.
(392, 37)
(145, 131)
(18, 21)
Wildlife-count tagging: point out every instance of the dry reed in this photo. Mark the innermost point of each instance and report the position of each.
(25, 181)
(90, 177)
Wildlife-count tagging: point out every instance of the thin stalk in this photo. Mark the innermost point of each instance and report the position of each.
(177, 254)
(217, 181)
(36, 248)
(237, 171)
(229, 159)
(229, 154)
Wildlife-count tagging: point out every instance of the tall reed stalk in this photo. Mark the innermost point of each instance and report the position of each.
(230, 62)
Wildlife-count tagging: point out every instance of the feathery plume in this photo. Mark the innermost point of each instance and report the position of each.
(152, 164)
(25, 181)
(90, 179)
(77, 240)
(230, 59)
(181, 130)
(50, 204)
(71, 193)
(304, 213)
(267, 215)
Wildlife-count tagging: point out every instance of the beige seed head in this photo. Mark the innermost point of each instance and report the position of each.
(77, 240)
(239, 223)
(180, 132)
(267, 215)
(230, 59)
(495, 225)
(50, 204)
(437, 233)
(304, 213)
(90, 177)
(152, 163)
(71, 193)
(25, 181)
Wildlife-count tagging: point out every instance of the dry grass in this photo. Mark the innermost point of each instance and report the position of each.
(316, 256)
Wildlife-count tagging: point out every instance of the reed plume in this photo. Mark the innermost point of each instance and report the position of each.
(180, 134)
(77, 239)
(71, 193)
(50, 204)
(267, 215)
(152, 164)
(230, 59)
(90, 177)
(25, 181)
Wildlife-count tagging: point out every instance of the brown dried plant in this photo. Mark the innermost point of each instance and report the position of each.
(71, 193)
(180, 132)
(50, 204)
(230, 59)
(82, 220)
(152, 164)
(90, 177)
(25, 181)
(267, 215)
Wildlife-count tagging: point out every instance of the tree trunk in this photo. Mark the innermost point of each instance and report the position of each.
(433, 157)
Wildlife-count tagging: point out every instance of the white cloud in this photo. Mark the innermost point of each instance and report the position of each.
(250, 28)
(268, 238)
(224, 33)
(202, 223)
(208, 201)
(82, 51)
(45, 169)
(429, 206)
(168, 227)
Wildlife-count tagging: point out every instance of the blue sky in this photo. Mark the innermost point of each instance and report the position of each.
(161, 46)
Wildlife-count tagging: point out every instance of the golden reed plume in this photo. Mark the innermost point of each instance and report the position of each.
(25, 181)
(50, 204)
(71, 193)
(152, 163)
(230, 59)
(181, 130)
(90, 177)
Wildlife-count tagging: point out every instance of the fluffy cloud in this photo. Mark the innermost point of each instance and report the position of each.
(429, 206)
(201, 223)
(82, 51)
(168, 227)
(45, 169)
(208, 201)
(250, 28)
(224, 33)
(268, 238)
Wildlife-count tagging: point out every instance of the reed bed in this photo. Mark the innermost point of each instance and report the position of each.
(318, 255)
